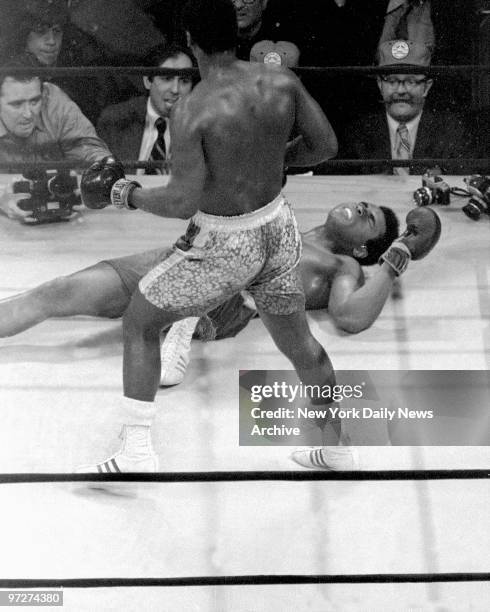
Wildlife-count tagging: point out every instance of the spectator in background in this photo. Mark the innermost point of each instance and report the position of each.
(138, 127)
(43, 36)
(260, 20)
(250, 20)
(39, 122)
(404, 128)
(81, 33)
(409, 20)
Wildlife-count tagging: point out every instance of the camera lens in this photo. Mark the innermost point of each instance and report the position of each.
(62, 185)
(422, 196)
(473, 209)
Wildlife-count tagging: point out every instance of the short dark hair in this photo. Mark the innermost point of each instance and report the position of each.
(36, 13)
(11, 72)
(159, 54)
(30, 16)
(377, 246)
(212, 24)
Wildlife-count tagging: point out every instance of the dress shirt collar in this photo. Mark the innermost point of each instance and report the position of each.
(152, 115)
(412, 125)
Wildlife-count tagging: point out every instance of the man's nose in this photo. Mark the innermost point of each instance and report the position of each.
(176, 85)
(401, 85)
(49, 38)
(27, 111)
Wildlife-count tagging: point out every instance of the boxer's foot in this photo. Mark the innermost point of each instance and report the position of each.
(335, 458)
(135, 455)
(175, 351)
(120, 462)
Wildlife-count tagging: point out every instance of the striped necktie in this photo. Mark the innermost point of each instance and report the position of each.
(159, 150)
(403, 147)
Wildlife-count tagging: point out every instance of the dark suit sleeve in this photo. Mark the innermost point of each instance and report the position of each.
(105, 125)
(449, 136)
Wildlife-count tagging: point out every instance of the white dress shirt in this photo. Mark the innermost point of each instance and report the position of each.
(150, 135)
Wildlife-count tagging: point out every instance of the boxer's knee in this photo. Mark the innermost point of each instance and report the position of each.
(306, 353)
(143, 319)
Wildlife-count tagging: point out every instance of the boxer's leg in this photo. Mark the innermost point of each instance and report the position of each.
(142, 323)
(96, 291)
(293, 338)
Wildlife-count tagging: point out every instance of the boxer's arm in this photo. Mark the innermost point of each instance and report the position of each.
(316, 140)
(180, 198)
(354, 308)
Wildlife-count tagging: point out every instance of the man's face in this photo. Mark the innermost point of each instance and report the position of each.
(404, 94)
(349, 226)
(20, 105)
(165, 91)
(44, 42)
(249, 14)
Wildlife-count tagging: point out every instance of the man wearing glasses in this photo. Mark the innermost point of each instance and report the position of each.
(261, 20)
(405, 128)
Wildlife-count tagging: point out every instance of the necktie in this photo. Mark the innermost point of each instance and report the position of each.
(159, 151)
(403, 148)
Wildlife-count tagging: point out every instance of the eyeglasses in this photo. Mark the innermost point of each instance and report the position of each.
(408, 83)
(245, 1)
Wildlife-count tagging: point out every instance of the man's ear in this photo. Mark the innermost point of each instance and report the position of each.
(147, 82)
(360, 252)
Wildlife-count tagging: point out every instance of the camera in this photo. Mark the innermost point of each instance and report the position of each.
(434, 190)
(479, 203)
(53, 194)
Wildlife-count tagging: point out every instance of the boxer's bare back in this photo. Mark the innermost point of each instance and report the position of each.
(230, 135)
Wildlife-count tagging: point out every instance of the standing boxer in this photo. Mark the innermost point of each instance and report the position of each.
(229, 136)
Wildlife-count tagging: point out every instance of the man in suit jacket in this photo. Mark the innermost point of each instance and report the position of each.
(405, 129)
(134, 129)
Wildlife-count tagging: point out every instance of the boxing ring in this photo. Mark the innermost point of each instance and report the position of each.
(238, 524)
(236, 527)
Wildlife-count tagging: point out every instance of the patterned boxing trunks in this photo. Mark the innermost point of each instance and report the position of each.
(220, 256)
(225, 321)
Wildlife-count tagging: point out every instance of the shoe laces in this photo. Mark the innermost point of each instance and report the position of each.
(177, 340)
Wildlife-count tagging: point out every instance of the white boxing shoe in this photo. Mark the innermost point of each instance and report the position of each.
(333, 458)
(128, 458)
(121, 462)
(175, 351)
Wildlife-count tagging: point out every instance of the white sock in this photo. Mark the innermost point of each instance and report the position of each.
(137, 418)
(136, 412)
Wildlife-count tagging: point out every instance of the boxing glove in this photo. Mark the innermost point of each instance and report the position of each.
(104, 183)
(422, 234)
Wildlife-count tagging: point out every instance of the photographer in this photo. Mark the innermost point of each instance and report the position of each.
(40, 123)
